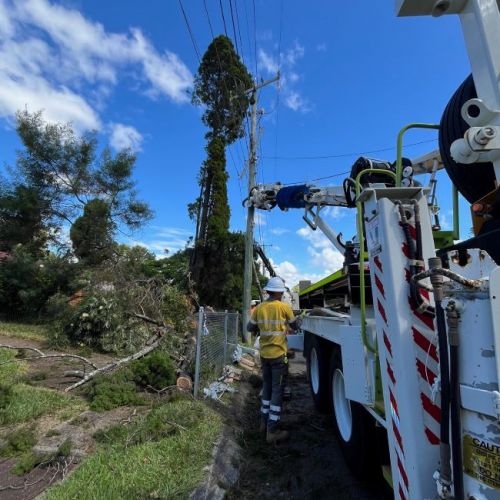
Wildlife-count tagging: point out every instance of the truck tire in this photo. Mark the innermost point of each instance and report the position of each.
(472, 181)
(354, 427)
(317, 373)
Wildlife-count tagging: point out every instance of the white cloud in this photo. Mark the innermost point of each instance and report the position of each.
(335, 212)
(291, 275)
(267, 62)
(163, 238)
(125, 136)
(292, 55)
(321, 47)
(324, 256)
(296, 102)
(259, 219)
(55, 59)
(289, 76)
(278, 231)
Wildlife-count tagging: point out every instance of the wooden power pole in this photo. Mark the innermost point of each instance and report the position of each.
(252, 163)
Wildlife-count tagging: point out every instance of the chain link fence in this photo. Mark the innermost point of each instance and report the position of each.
(217, 336)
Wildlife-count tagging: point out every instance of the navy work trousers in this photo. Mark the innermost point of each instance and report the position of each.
(273, 374)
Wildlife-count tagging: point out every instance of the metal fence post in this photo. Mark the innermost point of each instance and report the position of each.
(198, 352)
(225, 336)
(237, 327)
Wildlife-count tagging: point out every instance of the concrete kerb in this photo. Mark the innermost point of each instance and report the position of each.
(223, 472)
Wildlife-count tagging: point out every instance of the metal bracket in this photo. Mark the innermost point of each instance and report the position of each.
(318, 222)
(478, 144)
(481, 401)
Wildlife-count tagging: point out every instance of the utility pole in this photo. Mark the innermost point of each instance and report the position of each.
(252, 163)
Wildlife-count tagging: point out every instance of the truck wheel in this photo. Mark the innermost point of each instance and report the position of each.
(354, 427)
(317, 374)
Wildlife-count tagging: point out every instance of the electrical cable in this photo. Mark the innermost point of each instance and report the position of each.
(278, 93)
(208, 17)
(193, 41)
(239, 31)
(255, 38)
(345, 155)
(234, 28)
(223, 17)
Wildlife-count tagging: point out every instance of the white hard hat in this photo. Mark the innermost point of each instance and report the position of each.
(275, 284)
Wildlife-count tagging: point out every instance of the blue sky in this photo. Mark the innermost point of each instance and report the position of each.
(352, 75)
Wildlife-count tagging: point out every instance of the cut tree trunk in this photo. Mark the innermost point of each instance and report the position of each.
(184, 381)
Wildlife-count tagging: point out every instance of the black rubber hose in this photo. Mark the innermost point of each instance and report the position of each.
(456, 425)
(445, 391)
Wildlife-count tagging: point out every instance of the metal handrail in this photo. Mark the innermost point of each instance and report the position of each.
(361, 239)
(399, 147)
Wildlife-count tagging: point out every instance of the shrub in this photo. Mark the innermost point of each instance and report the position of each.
(95, 317)
(155, 370)
(111, 391)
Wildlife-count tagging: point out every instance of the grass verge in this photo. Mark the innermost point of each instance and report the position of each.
(159, 456)
(27, 403)
(20, 402)
(24, 331)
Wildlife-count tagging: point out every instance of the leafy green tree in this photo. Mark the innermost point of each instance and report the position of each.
(91, 233)
(21, 218)
(66, 174)
(221, 86)
(26, 282)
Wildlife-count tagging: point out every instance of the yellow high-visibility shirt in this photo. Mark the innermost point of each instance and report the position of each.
(272, 317)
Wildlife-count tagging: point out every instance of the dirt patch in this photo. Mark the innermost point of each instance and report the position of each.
(79, 432)
(33, 483)
(51, 372)
(309, 466)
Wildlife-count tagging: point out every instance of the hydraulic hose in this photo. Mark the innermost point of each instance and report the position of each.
(456, 424)
(415, 256)
(444, 435)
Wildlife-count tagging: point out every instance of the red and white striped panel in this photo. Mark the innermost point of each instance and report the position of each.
(401, 483)
(426, 362)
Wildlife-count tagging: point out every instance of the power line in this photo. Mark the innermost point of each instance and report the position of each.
(208, 17)
(248, 35)
(340, 174)
(239, 31)
(255, 38)
(278, 91)
(234, 28)
(193, 41)
(344, 155)
(223, 17)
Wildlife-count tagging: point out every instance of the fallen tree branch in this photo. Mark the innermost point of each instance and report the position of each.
(74, 373)
(147, 319)
(113, 366)
(3, 346)
(41, 355)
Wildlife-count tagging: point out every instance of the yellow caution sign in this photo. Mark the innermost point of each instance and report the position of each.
(482, 460)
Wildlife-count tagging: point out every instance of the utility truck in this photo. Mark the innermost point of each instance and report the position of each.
(403, 343)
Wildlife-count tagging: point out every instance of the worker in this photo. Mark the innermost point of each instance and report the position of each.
(272, 318)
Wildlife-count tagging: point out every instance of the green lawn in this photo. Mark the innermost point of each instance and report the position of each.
(20, 402)
(169, 465)
(23, 331)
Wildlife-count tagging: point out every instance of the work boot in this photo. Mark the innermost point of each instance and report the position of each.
(277, 436)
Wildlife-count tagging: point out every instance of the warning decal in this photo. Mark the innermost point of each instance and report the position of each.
(482, 460)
